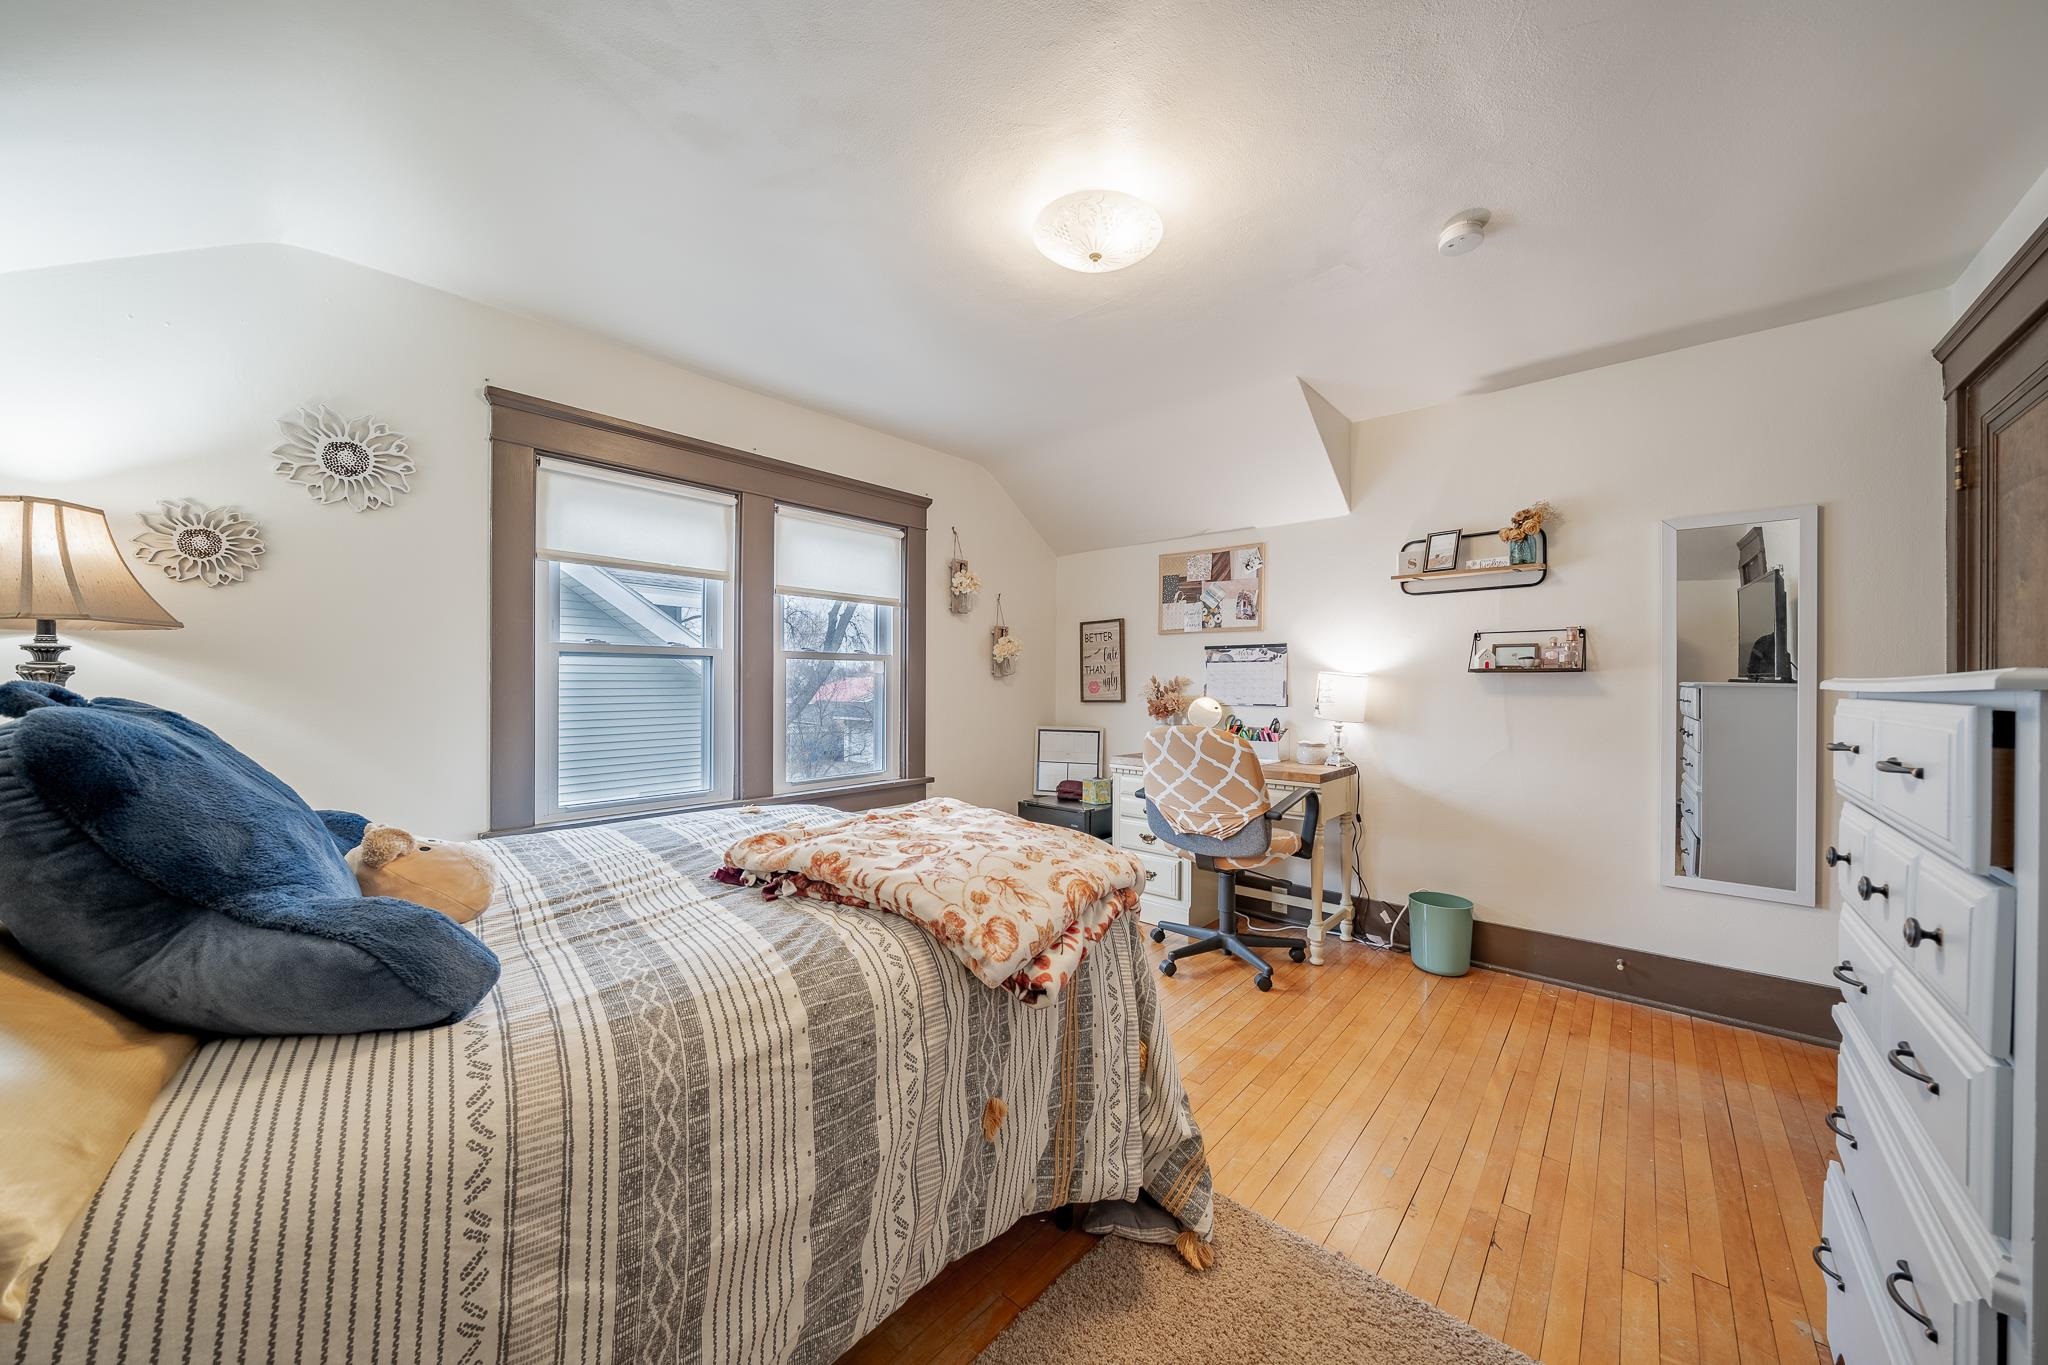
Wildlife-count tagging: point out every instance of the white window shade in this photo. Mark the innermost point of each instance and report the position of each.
(595, 515)
(817, 555)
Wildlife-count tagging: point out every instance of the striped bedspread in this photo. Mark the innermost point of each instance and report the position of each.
(689, 1125)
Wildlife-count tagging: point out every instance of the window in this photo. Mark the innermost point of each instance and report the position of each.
(635, 682)
(679, 624)
(839, 586)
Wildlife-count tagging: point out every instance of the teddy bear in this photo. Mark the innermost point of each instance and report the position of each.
(455, 879)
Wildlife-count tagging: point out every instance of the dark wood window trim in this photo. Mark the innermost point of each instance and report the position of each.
(1989, 376)
(523, 429)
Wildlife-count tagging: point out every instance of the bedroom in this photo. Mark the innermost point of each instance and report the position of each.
(623, 276)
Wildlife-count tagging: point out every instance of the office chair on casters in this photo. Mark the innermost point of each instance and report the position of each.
(1205, 794)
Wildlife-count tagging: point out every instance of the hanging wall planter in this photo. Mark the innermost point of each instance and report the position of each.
(963, 585)
(1003, 647)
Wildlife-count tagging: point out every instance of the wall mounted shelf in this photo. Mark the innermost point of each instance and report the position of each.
(1486, 579)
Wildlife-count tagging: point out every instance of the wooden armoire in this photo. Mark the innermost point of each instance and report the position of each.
(1994, 369)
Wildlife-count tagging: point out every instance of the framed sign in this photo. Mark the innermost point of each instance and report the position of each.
(1211, 590)
(1102, 660)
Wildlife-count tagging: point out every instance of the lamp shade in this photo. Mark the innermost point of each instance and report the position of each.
(59, 562)
(1340, 697)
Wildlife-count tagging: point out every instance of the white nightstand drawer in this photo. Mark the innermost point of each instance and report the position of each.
(1133, 833)
(1859, 1329)
(1127, 785)
(1960, 1097)
(1862, 969)
(1163, 873)
(1927, 769)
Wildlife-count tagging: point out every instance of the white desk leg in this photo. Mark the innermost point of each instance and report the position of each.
(1347, 907)
(1316, 918)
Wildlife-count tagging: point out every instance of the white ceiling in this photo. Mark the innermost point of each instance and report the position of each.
(831, 201)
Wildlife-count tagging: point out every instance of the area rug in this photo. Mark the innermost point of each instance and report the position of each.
(1271, 1296)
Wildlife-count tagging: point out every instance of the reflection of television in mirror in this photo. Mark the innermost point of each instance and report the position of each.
(1760, 626)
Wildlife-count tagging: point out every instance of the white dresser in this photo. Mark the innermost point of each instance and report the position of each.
(1737, 747)
(1175, 889)
(1933, 1197)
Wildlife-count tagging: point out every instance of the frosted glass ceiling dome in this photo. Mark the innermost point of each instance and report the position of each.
(1097, 230)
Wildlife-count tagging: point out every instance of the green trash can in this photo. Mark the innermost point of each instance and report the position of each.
(1440, 932)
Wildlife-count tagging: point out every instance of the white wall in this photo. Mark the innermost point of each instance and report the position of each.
(1537, 796)
(355, 661)
(2012, 234)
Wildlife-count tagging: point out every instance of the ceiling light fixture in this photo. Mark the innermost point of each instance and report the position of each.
(1097, 230)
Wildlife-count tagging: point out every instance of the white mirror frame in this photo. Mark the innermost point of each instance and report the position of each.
(1806, 661)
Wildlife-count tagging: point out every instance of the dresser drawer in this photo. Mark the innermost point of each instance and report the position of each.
(1867, 1119)
(1881, 879)
(1854, 748)
(1689, 701)
(1964, 1104)
(1927, 770)
(1846, 855)
(1955, 932)
(1859, 1326)
(1863, 970)
(1912, 1267)
(1689, 808)
(1127, 785)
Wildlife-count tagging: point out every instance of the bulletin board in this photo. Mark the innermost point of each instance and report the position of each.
(1209, 591)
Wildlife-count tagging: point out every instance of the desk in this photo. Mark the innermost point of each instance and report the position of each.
(1170, 877)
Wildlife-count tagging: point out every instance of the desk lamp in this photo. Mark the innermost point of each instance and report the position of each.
(1340, 699)
(59, 562)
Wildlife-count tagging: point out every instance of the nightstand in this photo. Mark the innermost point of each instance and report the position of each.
(1076, 815)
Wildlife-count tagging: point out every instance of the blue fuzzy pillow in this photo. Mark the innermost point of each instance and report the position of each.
(155, 867)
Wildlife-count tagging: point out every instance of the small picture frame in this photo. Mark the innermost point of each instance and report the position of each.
(1443, 551)
(1412, 556)
(1514, 656)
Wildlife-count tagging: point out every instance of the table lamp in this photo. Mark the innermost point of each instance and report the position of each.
(1340, 699)
(59, 562)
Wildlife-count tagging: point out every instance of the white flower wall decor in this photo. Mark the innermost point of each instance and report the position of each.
(361, 461)
(188, 540)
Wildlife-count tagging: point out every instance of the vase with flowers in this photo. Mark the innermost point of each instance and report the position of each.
(963, 585)
(1167, 702)
(1524, 532)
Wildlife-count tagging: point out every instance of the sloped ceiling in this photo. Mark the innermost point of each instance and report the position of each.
(831, 202)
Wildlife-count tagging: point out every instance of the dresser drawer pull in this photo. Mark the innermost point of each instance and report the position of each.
(1866, 888)
(1915, 935)
(1891, 1287)
(1842, 974)
(1892, 765)
(1834, 856)
(1896, 1057)
(1834, 1121)
(1820, 1250)
(1151, 873)
(1149, 838)
(1838, 747)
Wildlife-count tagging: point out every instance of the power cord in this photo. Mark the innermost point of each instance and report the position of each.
(1361, 900)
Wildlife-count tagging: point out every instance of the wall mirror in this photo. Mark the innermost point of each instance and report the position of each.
(1738, 707)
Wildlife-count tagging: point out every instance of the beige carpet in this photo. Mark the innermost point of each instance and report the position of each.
(1271, 1296)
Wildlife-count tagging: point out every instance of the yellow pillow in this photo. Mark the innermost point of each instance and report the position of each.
(76, 1081)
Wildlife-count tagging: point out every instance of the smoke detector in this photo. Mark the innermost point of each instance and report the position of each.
(1463, 233)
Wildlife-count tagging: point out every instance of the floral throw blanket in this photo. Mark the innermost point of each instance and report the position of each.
(1018, 903)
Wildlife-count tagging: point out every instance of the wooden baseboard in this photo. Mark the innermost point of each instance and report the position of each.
(1770, 1004)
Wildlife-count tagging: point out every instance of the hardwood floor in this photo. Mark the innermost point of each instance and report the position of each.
(1585, 1179)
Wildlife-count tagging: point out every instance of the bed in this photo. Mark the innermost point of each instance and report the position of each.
(690, 1124)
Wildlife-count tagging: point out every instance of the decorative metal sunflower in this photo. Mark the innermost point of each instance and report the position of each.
(360, 461)
(187, 541)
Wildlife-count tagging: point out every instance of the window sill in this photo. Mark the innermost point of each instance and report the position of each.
(853, 797)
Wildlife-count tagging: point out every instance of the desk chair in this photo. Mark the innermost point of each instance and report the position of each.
(1206, 795)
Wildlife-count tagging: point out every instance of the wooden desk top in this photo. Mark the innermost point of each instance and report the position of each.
(1304, 773)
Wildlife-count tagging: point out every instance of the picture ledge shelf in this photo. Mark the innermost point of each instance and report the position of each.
(1469, 573)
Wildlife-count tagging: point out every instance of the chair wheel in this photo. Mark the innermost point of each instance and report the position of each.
(1159, 936)
(1166, 968)
(1298, 954)
(1265, 982)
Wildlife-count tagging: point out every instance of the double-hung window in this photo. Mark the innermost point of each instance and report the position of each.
(838, 595)
(679, 624)
(634, 688)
